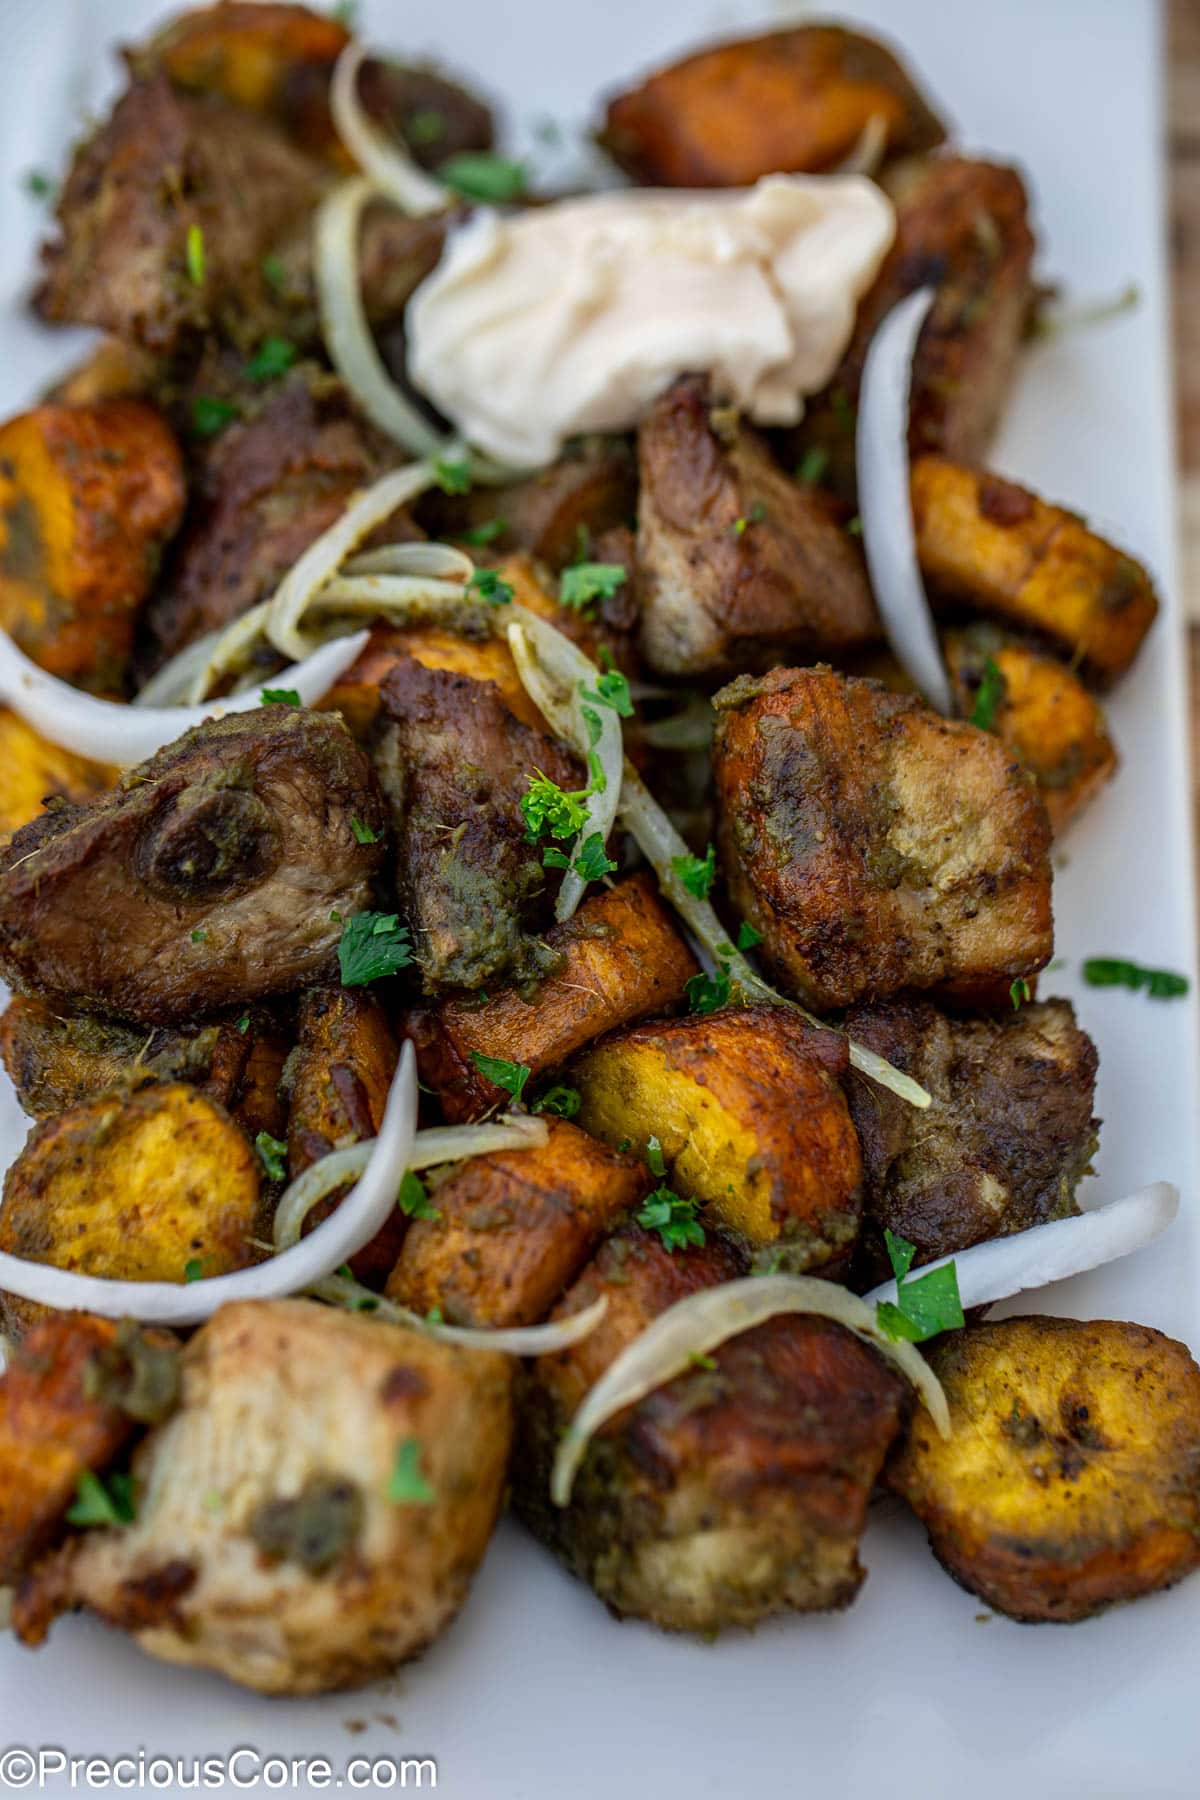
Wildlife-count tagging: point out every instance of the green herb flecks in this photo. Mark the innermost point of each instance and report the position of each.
(372, 945)
(491, 587)
(510, 1076)
(210, 415)
(195, 257)
(408, 1487)
(452, 477)
(482, 175)
(988, 695)
(673, 1218)
(696, 873)
(273, 358)
(413, 1198)
(1114, 971)
(272, 1151)
(280, 697)
(586, 582)
(923, 1307)
(363, 834)
(562, 1102)
(107, 1502)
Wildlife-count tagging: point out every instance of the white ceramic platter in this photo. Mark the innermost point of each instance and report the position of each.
(536, 1693)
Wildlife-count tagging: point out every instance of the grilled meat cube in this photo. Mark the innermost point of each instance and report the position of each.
(962, 228)
(751, 1120)
(1005, 1142)
(622, 958)
(1071, 1477)
(466, 650)
(736, 1490)
(510, 1230)
(455, 764)
(875, 845)
(89, 497)
(312, 1514)
(786, 101)
(206, 879)
(996, 548)
(735, 561)
(554, 514)
(167, 215)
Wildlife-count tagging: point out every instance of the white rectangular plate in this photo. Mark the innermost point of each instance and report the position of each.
(536, 1692)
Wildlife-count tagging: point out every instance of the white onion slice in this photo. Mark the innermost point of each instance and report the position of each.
(885, 499)
(171, 685)
(391, 169)
(1053, 1252)
(869, 150)
(441, 1144)
(326, 554)
(307, 1263)
(704, 1320)
(111, 732)
(509, 1340)
(444, 562)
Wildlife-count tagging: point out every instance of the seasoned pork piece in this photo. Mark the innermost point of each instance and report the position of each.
(622, 958)
(167, 215)
(737, 1490)
(1005, 1142)
(1070, 1480)
(314, 1511)
(455, 764)
(798, 100)
(556, 515)
(875, 845)
(735, 560)
(507, 1232)
(961, 228)
(207, 879)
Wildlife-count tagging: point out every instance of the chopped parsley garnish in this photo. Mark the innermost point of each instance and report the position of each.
(757, 513)
(697, 873)
(592, 864)
(562, 1102)
(452, 477)
(363, 834)
(551, 811)
(988, 695)
(612, 690)
(586, 582)
(99, 1502)
(210, 415)
(747, 936)
(699, 1360)
(674, 1219)
(243, 1024)
(501, 1073)
(272, 1150)
(491, 586)
(481, 175)
(38, 185)
(193, 1269)
(372, 945)
(813, 466)
(274, 273)
(923, 1307)
(413, 1198)
(425, 127)
(199, 936)
(708, 993)
(273, 358)
(196, 260)
(408, 1487)
(1018, 992)
(487, 533)
(656, 1162)
(1113, 971)
(854, 528)
(280, 697)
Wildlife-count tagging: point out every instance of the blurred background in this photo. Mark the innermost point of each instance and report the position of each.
(1183, 90)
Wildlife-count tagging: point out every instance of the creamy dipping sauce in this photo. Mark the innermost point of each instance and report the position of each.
(575, 316)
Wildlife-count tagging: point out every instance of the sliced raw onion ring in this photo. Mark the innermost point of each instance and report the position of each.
(704, 1320)
(347, 334)
(304, 1266)
(509, 1340)
(885, 499)
(390, 167)
(111, 732)
(869, 151)
(1053, 1252)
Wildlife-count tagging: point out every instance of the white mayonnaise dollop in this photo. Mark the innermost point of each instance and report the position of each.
(573, 317)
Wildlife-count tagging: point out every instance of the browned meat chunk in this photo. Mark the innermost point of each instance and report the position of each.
(735, 560)
(455, 764)
(1005, 1142)
(557, 514)
(794, 100)
(875, 845)
(206, 879)
(738, 1489)
(167, 216)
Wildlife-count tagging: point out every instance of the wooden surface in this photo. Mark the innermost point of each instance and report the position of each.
(1183, 126)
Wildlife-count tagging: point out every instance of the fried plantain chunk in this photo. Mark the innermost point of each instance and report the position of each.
(786, 101)
(509, 1231)
(621, 958)
(1071, 1477)
(462, 650)
(751, 1120)
(206, 879)
(314, 1511)
(1000, 550)
(455, 765)
(89, 496)
(875, 845)
(1003, 1145)
(735, 561)
(34, 772)
(148, 1186)
(738, 1489)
